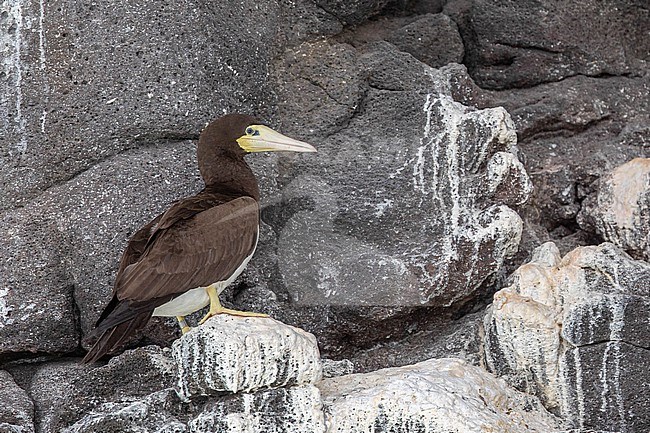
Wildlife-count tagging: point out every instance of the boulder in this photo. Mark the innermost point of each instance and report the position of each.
(620, 209)
(439, 395)
(83, 82)
(392, 212)
(296, 409)
(17, 409)
(233, 354)
(574, 331)
(525, 43)
(66, 392)
(432, 39)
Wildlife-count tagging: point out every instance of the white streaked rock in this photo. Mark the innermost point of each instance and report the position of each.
(439, 395)
(620, 210)
(233, 354)
(573, 330)
(296, 409)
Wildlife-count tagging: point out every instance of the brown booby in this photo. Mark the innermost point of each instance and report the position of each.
(180, 261)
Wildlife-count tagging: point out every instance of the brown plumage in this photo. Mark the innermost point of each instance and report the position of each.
(198, 241)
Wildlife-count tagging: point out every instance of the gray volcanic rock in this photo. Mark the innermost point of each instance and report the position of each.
(574, 331)
(432, 39)
(393, 212)
(525, 43)
(620, 209)
(36, 302)
(64, 247)
(16, 410)
(352, 11)
(297, 409)
(460, 339)
(65, 392)
(82, 81)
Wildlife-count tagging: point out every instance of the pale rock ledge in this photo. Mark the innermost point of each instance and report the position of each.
(435, 396)
(233, 354)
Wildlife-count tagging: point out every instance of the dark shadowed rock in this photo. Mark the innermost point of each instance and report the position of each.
(65, 392)
(16, 410)
(451, 339)
(525, 43)
(574, 331)
(352, 11)
(432, 39)
(620, 209)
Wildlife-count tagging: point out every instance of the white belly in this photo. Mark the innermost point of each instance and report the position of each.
(195, 299)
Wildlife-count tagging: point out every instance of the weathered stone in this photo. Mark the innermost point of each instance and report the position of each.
(620, 210)
(332, 368)
(36, 302)
(296, 409)
(574, 331)
(233, 354)
(447, 339)
(156, 412)
(65, 392)
(439, 395)
(521, 44)
(82, 82)
(407, 206)
(16, 410)
(352, 11)
(432, 39)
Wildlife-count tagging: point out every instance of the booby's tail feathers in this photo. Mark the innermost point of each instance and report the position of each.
(112, 338)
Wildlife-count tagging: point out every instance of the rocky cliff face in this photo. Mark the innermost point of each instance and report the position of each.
(456, 140)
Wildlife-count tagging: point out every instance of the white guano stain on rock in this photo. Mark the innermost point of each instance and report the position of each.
(11, 50)
(5, 308)
(296, 409)
(555, 310)
(620, 211)
(434, 396)
(233, 354)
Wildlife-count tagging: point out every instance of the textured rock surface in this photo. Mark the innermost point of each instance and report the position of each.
(17, 410)
(82, 82)
(620, 210)
(521, 44)
(574, 330)
(398, 167)
(440, 395)
(296, 409)
(65, 392)
(233, 354)
(432, 39)
(98, 104)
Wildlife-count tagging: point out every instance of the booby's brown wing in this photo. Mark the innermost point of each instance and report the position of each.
(199, 251)
(198, 241)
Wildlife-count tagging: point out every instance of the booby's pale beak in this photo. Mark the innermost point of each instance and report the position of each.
(260, 138)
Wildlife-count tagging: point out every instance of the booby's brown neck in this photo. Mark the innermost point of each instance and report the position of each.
(227, 172)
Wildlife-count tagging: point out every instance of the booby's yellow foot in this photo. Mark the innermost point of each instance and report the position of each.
(183, 324)
(217, 308)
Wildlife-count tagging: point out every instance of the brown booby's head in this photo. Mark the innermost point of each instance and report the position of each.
(225, 141)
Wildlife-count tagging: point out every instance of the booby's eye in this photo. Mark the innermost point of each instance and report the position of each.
(252, 131)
